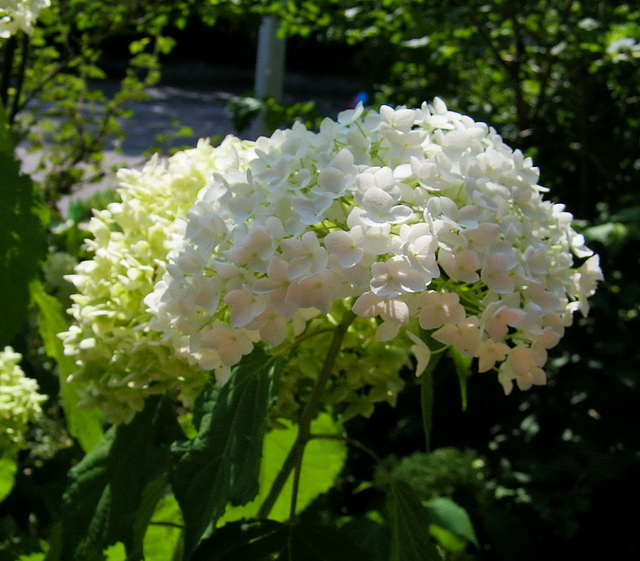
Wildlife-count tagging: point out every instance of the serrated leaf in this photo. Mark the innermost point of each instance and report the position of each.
(22, 237)
(106, 489)
(263, 540)
(322, 462)
(449, 516)
(222, 463)
(85, 425)
(409, 521)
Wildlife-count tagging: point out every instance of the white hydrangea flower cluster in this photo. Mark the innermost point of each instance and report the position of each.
(423, 218)
(19, 402)
(18, 15)
(119, 358)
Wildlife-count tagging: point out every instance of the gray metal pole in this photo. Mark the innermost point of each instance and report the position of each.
(270, 66)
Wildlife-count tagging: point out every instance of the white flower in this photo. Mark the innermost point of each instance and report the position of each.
(437, 309)
(229, 343)
(421, 351)
(20, 15)
(524, 365)
(395, 277)
(416, 218)
(20, 402)
(463, 335)
(346, 246)
(305, 255)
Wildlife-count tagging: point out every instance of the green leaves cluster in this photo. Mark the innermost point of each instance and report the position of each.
(22, 236)
(146, 484)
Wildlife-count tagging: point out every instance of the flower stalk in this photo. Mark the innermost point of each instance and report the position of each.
(293, 461)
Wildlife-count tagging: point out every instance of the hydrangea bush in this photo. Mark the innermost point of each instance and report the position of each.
(421, 220)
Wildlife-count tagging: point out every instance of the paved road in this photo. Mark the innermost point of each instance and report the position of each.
(201, 105)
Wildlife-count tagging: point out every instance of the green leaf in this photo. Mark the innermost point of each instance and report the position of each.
(451, 524)
(8, 468)
(85, 425)
(463, 367)
(262, 540)
(409, 521)
(115, 552)
(153, 492)
(22, 238)
(108, 488)
(322, 462)
(37, 556)
(163, 539)
(222, 463)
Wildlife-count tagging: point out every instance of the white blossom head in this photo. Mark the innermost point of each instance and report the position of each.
(18, 15)
(420, 219)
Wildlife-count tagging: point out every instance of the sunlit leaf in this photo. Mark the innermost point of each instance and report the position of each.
(8, 468)
(83, 424)
(163, 538)
(115, 552)
(451, 524)
(322, 462)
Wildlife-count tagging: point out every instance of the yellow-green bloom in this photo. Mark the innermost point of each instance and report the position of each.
(119, 359)
(19, 402)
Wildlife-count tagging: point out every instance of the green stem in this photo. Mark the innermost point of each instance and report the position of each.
(15, 105)
(427, 393)
(7, 68)
(356, 444)
(294, 458)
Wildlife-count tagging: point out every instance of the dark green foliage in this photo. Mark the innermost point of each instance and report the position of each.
(409, 521)
(117, 483)
(22, 237)
(264, 540)
(221, 465)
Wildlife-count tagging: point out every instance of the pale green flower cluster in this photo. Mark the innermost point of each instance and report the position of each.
(18, 15)
(19, 402)
(119, 359)
(366, 372)
(420, 219)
